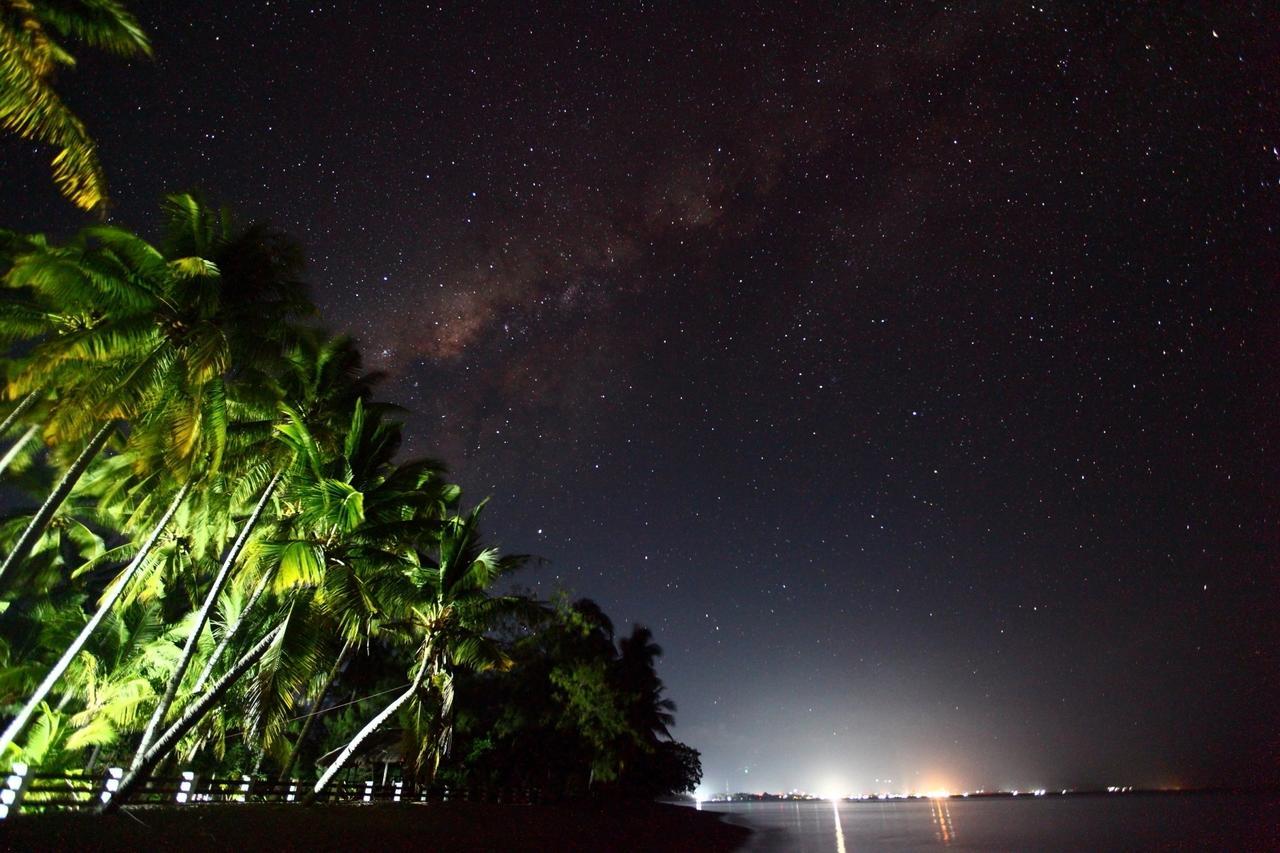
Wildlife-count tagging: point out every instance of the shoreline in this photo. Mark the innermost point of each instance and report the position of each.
(458, 826)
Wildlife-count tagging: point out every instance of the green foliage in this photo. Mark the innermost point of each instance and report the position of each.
(364, 587)
(595, 710)
(30, 53)
(570, 716)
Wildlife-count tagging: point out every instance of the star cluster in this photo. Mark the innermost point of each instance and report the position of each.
(909, 368)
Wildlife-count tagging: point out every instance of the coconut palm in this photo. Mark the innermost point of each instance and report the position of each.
(320, 384)
(27, 315)
(78, 298)
(30, 52)
(647, 711)
(180, 326)
(191, 715)
(448, 614)
(353, 521)
(152, 336)
(20, 452)
(158, 487)
(112, 677)
(108, 601)
(317, 378)
(357, 521)
(200, 618)
(74, 543)
(38, 522)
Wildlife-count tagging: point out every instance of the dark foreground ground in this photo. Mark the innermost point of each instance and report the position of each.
(436, 827)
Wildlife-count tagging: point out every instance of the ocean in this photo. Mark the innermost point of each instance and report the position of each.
(1105, 822)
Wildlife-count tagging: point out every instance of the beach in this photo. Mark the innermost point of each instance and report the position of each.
(585, 826)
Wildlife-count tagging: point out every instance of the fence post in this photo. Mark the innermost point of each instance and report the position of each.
(185, 786)
(293, 791)
(368, 790)
(399, 789)
(111, 783)
(14, 785)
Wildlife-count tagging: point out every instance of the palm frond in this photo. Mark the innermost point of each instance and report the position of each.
(102, 24)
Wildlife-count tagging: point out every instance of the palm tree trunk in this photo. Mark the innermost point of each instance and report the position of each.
(189, 648)
(257, 763)
(117, 590)
(315, 710)
(192, 715)
(44, 515)
(231, 632)
(370, 727)
(16, 448)
(24, 406)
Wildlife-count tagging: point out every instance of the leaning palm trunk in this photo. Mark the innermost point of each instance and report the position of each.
(221, 648)
(36, 527)
(50, 680)
(334, 671)
(24, 406)
(370, 727)
(189, 648)
(192, 715)
(16, 448)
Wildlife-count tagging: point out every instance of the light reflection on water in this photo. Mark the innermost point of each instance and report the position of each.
(1101, 823)
(942, 821)
(835, 806)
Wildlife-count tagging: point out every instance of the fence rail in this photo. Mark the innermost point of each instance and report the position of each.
(30, 791)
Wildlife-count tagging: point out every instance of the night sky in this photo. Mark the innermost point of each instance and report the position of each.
(909, 369)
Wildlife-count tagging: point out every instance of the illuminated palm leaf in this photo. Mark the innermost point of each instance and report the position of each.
(30, 108)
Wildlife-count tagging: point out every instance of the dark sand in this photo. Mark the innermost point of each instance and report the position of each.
(582, 826)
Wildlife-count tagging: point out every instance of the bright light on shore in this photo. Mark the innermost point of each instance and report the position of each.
(830, 787)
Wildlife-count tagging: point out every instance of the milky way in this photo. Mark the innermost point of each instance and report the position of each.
(909, 370)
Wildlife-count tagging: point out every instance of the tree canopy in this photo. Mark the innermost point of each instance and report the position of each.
(227, 560)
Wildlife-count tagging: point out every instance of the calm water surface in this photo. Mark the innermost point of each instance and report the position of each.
(1102, 823)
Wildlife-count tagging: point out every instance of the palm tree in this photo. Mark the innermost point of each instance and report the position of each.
(317, 702)
(322, 380)
(77, 298)
(152, 335)
(309, 386)
(353, 521)
(191, 715)
(201, 617)
(39, 521)
(73, 544)
(50, 616)
(113, 675)
(114, 592)
(648, 713)
(449, 612)
(29, 55)
(183, 330)
(26, 315)
(347, 547)
(17, 417)
(18, 449)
